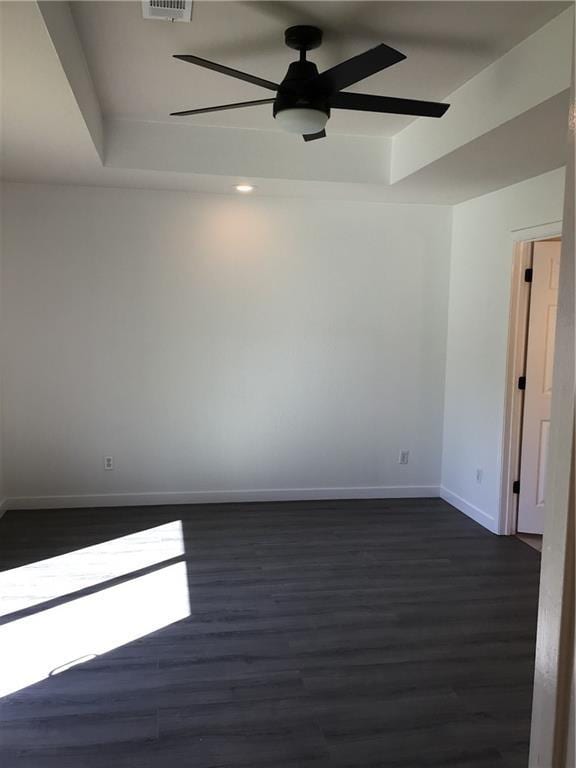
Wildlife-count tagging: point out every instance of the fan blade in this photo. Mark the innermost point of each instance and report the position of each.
(222, 107)
(228, 71)
(388, 104)
(313, 136)
(357, 68)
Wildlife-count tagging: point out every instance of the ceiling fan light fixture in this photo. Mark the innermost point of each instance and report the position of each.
(302, 120)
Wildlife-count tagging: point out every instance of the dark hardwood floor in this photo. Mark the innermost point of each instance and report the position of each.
(319, 635)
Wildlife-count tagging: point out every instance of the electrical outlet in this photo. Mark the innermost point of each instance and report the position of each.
(108, 462)
(479, 475)
(404, 456)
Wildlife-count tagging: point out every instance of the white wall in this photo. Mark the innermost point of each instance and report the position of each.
(220, 344)
(480, 275)
(2, 495)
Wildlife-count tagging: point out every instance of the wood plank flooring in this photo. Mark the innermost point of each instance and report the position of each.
(352, 634)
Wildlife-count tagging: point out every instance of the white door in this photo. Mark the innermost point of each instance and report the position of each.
(538, 394)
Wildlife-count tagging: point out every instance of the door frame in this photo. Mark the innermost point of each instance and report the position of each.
(521, 241)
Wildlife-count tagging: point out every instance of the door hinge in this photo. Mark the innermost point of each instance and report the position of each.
(516, 486)
(528, 275)
(522, 382)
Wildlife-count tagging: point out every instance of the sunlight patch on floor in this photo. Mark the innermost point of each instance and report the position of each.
(36, 583)
(57, 638)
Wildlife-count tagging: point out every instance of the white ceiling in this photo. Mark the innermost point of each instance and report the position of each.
(50, 99)
(446, 43)
(43, 132)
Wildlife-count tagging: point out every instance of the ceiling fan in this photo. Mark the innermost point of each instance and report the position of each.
(304, 98)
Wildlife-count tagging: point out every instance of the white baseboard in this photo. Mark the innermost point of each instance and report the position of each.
(477, 514)
(220, 497)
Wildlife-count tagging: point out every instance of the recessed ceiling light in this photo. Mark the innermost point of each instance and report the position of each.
(244, 188)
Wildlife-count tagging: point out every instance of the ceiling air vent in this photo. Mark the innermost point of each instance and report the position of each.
(167, 10)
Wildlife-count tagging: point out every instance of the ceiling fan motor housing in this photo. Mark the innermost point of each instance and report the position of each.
(293, 91)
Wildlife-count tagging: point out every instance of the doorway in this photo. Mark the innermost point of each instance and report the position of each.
(537, 385)
(530, 372)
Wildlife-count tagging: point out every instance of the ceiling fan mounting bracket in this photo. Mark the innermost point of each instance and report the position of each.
(303, 37)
